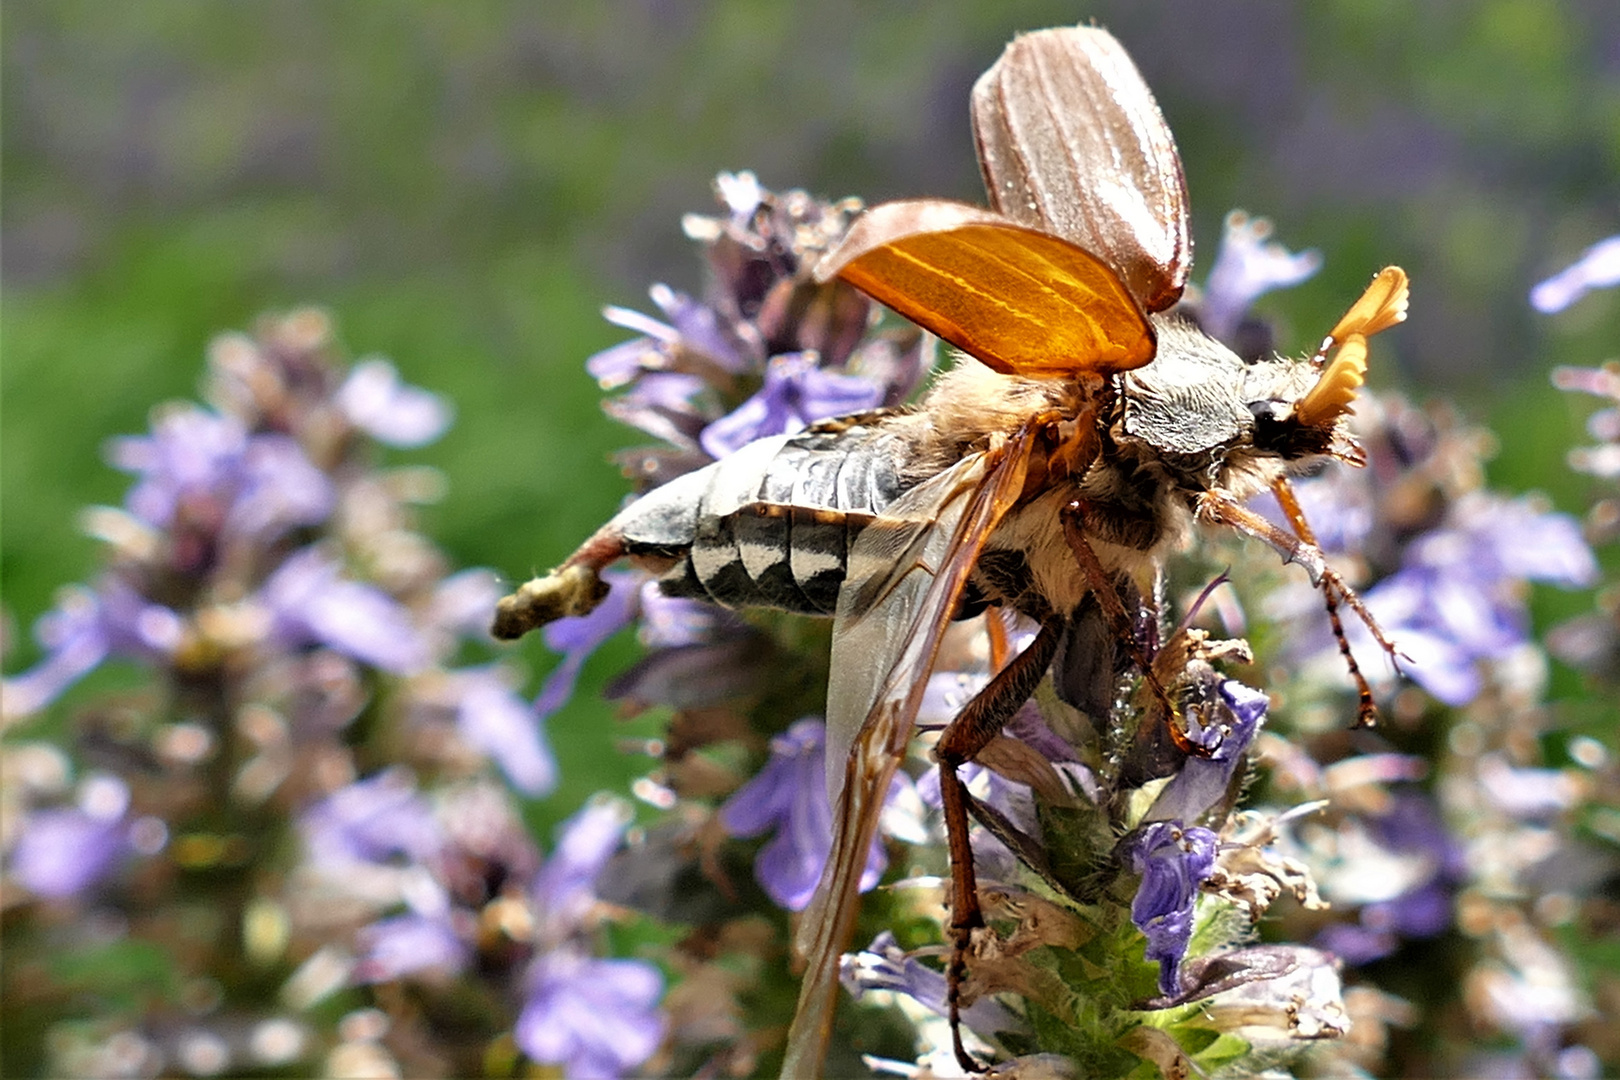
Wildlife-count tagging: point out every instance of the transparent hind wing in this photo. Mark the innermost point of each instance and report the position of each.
(904, 583)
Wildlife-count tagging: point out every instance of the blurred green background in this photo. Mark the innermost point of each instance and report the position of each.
(464, 185)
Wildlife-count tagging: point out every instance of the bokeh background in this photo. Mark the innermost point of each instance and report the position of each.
(465, 185)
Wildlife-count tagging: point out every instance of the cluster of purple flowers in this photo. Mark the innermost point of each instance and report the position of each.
(299, 634)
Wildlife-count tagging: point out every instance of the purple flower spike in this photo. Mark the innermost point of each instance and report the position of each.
(1248, 265)
(1597, 268)
(504, 728)
(406, 944)
(1173, 863)
(796, 394)
(1225, 734)
(390, 411)
(789, 797)
(576, 638)
(311, 603)
(594, 1018)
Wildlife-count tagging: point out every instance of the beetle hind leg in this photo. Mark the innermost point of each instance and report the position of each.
(980, 721)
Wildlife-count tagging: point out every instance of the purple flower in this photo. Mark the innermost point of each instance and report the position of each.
(1248, 265)
(664, 406)
(1455, 601)
(693, 328)
(789, 798)
(1597, 268)
(697, 327)
(310, 603)
(669, 622)
(372, 820)
(576, 638)
(1224, 733)
(594, 1018)
(278, 488)
(796, 394)
(377, 402)
(564, 888)
(1011, 798)
(1423, 912)
(190, 453)
(1028, 726)
(505, 728)
(1527, 794)
(884, 965)
(405, 944)
(62, 852)
(621, 364)
(462, 602)
(1519, 538)
(1173, 863)
(1404, 881)
(86, 628)
(692, 339)
(197, 465)
(1411, 825)
(1357, 943)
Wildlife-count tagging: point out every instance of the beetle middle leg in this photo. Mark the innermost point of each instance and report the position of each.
(1102, 587)
(980, 721)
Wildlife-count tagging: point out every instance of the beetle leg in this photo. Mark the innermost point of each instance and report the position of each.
(980, 721)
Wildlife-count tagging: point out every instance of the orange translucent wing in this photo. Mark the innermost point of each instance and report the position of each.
(1020, 300)
(884, 644)
(1071, 142)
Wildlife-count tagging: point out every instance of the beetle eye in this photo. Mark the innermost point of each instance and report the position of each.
(1269, 410)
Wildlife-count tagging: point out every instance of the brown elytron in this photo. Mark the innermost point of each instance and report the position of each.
(1085, 432)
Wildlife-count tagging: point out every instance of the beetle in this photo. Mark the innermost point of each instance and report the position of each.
(1086, 430)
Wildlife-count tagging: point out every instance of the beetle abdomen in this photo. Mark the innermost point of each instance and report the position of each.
(772, 524)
